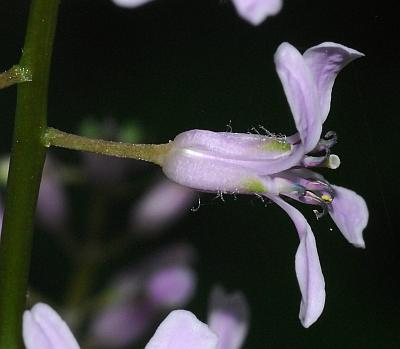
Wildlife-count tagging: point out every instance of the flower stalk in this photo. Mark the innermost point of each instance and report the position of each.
(154, 153)
(26, 165)
(16, 74)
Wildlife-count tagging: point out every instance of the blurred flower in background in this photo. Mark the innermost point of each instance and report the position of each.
(4, 162)
(253, 11)
(256, 11)
(228, 323)
(227, 327)
(135, 299)
(160, 206)
(53, 206)
(229, 318)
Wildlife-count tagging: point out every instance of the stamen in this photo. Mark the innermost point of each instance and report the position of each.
(321, 214)
(326, 143)
(326, 198)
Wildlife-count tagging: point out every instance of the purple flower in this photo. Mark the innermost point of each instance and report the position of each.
(228, 321)
(278, 167)
(253, 11)
(136, 298)
(228, 318)
(182, 330)
(52, 206)
(43, 328)
(130, 3)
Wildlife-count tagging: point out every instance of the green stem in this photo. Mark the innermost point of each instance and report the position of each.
(26, 164)
(147, 152)
(15, 75)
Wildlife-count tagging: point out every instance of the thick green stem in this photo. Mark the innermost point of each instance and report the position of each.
(26, 164)
(147, 152)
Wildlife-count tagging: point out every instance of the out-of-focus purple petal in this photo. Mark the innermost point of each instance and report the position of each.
(172, 286)
(301, 93)
(131, 282)
(350, 213)
(182, 330)
(136, 297)
(255, 11)
(228, 318)
(121, 324)
(52, 207)
(44, 329)
(130, 3)
(325, 61)
(165, 202)
(308, 268)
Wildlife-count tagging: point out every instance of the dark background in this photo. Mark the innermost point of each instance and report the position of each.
(175, 65)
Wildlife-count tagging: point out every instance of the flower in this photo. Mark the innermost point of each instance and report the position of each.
(227, 327)
(52, 207)
(253, 11)
(277, 167)
(184, 330)
(43, 328)
(228, 318)
(135, 299)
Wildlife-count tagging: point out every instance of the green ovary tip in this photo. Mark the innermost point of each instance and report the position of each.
(254, 186)
(276, 145)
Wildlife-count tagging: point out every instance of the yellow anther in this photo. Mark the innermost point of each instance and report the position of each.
(326, 198)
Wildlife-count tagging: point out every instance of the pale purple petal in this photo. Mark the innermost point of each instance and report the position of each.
(44, 329)
(228, 318)
(165, 202)
(121, 324)
(350, 213)
(236, 146)
(172, 286)
(308, 268)
(226, 162)
(255, 11)
(182, 330)
(199, 171)
(301, 93)
(130, 3)
(325, 61)
(205, 172)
